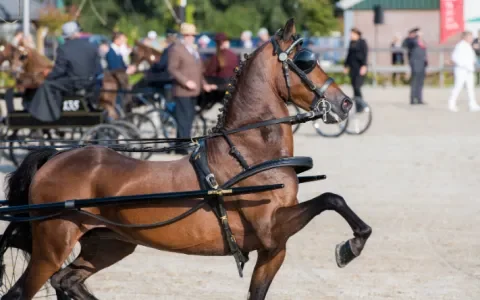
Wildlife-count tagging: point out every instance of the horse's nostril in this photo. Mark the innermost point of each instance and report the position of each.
(347, 105)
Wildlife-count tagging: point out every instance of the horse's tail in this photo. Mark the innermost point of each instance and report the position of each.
(18, 182)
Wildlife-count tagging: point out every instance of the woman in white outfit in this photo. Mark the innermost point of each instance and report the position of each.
(464, 59)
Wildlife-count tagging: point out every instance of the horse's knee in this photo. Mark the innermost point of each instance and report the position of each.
(334, 201)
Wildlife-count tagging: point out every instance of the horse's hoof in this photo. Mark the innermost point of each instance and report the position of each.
(344, 254)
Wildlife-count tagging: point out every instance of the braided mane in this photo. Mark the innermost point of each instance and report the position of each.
(221, 118)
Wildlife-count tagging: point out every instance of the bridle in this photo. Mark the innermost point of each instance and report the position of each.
(320, 107)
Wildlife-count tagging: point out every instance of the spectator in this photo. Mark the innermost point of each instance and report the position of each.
(246, 38)
(263, 36)
(185, 65)
(417, 59)
(397, 56)
(464, 59)
(223, 62)
(356, 65)
(151, 40)
(158, 74)
(115, 56)
(203, 41)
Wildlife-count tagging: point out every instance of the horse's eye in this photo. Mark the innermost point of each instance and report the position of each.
(305, 60)
(23, 57)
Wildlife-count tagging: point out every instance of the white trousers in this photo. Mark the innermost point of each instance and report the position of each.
(463, 77)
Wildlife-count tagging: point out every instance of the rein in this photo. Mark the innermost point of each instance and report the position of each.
(320, 108)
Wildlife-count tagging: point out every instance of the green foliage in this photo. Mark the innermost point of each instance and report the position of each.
(136, 17)
(317, 16)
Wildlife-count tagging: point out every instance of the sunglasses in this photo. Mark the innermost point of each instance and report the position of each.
(305, 60)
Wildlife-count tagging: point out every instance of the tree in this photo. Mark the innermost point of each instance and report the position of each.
(317, 16)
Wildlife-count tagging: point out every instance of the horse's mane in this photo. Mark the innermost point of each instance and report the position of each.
(232, 87)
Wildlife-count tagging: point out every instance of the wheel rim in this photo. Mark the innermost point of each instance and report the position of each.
(359, 122)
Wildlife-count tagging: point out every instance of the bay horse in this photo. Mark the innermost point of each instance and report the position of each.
(261, 222)
(30, 69)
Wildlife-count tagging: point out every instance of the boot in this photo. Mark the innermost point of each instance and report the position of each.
(360, 104)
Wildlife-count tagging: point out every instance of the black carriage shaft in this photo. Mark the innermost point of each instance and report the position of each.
(137, 199)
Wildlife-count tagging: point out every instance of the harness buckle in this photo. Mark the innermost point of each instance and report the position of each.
(212, 182)
(282, 56)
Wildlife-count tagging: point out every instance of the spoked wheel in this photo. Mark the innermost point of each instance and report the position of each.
(147, 129)
(292, 111)
(330, 130)
(108, 135)
(164, 121)
(14, 258)
(359, 122)
(22, 138)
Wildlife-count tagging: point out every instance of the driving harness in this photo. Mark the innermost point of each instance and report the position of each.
(207, 181)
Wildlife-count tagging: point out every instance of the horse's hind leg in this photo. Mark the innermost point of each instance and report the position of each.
(52, 242)
(99, 251)
(290, 220)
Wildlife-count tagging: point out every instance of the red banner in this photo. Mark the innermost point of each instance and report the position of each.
(451, 18)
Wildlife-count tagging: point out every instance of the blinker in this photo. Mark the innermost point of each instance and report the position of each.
(305, 60)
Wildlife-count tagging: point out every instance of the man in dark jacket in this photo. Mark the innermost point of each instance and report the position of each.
(76, 66)
(356, 66)
(158, 74)
(417, 59)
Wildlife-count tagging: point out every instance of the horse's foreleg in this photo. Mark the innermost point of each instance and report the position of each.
(289, 220)
(99, 251)
(268, 263)
(52, 242)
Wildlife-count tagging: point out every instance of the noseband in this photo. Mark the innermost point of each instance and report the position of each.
(320, 106)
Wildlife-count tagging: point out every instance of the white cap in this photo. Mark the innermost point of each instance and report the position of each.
(204, 39)
(152, 35)
(69, 29)
(247, 33)
(262, 31)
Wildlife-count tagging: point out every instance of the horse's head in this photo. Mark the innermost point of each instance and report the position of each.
(142, 52)
(29, 67)
(301, 79)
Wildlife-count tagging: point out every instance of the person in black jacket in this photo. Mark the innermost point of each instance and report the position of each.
(158, 74)
(417, 59)
(76, 67)
(356, 66)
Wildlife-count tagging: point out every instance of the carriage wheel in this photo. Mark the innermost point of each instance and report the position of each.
(330, 130)
(134, 133)
(147, 130)
(164, 121)
(292, 111)
(359, 122)
(107, 135)
(16, 252)
(23, 137)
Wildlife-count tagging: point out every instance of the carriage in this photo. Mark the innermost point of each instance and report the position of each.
(236, 193)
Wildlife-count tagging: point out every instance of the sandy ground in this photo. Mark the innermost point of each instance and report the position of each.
(413, 177)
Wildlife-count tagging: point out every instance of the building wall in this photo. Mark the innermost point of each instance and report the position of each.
(401, 21)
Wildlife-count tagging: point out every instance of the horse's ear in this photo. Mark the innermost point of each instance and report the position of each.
(289, 30)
